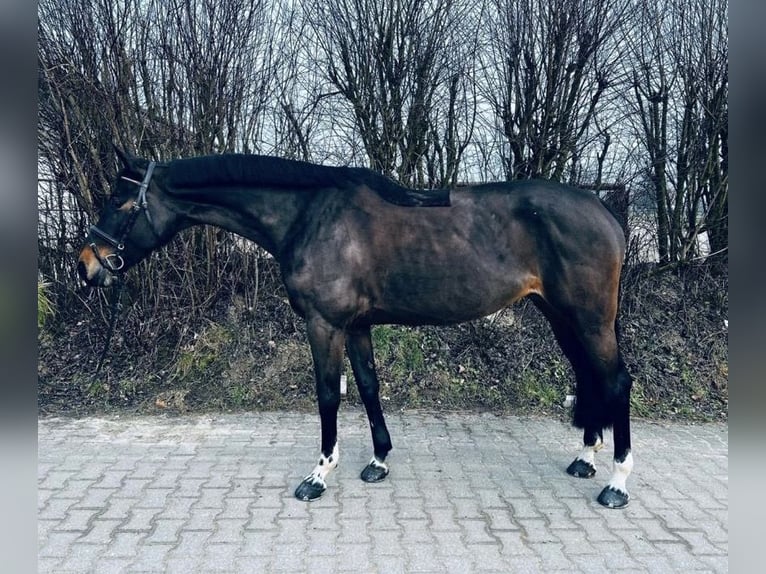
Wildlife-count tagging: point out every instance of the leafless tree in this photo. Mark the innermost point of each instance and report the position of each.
(679, 70)
(405, 69)
(619, 96)
(161, 78)
(548, 65)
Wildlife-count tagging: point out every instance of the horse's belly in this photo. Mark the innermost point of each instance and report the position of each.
(442, 298)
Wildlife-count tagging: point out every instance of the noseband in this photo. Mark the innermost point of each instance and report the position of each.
(114, 261)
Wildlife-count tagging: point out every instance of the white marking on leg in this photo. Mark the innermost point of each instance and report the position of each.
(377, 463)
(324, 466)
(588, 453)
(620, 474)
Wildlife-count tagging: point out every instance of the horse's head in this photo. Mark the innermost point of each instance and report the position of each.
(133, 223)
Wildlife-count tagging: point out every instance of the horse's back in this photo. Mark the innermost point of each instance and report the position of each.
(543, 203)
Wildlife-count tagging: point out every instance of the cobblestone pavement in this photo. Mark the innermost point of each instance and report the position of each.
(466, 493)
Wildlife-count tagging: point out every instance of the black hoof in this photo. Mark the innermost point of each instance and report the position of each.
(613, 498)
(581, 469)
(374, 472)
(309, 489)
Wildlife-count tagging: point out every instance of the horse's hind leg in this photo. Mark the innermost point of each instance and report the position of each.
(584, 465)
(608, 405)
(615, 494)
(359, 349)
(603, 394)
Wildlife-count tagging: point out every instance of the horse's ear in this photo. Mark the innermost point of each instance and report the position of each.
(125, 158)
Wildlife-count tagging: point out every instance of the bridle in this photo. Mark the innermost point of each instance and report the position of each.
(114, 261)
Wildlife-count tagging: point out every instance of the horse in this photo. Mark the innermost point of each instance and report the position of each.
(355, 249)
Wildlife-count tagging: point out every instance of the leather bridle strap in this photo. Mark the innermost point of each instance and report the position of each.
(140, 204)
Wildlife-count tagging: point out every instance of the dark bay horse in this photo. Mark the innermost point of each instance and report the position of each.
(355, 249)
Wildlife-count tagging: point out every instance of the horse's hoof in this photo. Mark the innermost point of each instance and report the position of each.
(375, 471)
(581, 469)
(310, 489)
(613, 498)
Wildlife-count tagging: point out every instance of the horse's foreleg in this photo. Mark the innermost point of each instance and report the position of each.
(359, 348)
(327, 351)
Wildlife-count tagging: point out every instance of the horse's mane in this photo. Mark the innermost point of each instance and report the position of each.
(279, 173)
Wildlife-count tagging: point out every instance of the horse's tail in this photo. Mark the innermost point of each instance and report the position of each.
(617, 331)
(616, 203)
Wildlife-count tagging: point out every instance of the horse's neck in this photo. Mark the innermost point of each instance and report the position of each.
(263, 216)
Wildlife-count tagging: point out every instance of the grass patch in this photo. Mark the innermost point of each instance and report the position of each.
(201, 353)
(45, 308)
(400, 349)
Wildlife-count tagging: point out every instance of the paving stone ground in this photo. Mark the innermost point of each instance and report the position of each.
(466, 493)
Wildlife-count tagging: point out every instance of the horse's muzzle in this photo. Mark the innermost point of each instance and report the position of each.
(90, 269)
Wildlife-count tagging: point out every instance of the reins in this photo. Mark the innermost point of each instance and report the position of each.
(114, 311)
